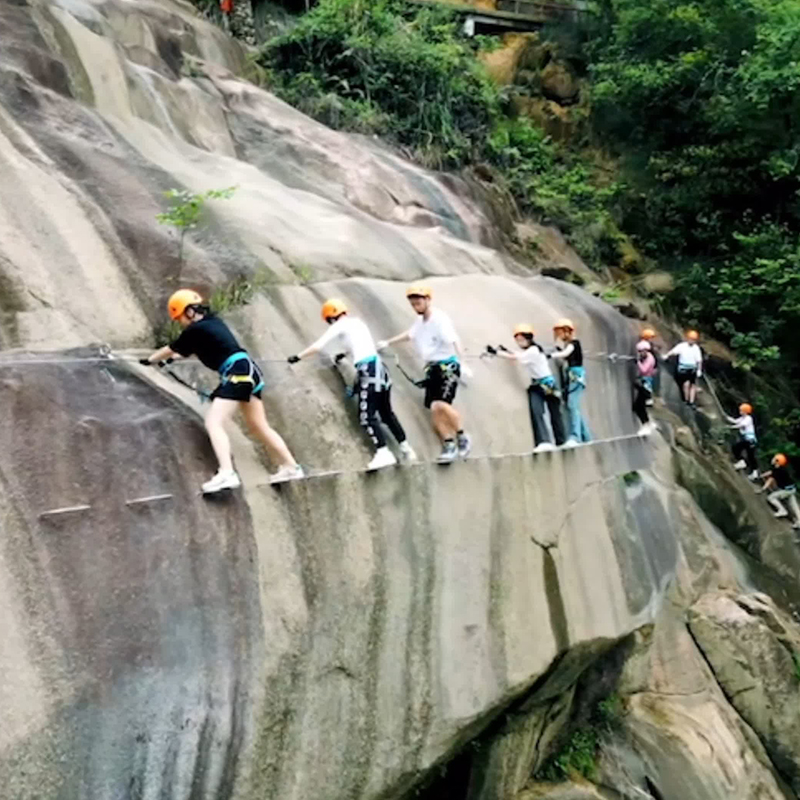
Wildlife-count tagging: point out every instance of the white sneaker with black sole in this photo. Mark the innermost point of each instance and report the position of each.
(382, 458)
(464, 444)
(449, 453)
(740, 464)
(544, 447)
(570, 443)
(224, 479)
(287, 473)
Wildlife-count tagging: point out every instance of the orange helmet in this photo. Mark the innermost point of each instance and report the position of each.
(333, 308)
(692, 336)
(181, 300)
(780, 460)
(648, 333)
(745, 408)
(564, 322)
(419, 290)
(523, 329)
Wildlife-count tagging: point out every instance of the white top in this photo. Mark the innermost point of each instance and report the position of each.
(690, 356)
(746, 426)
(434, 338)
(535, 361)
(353, 335)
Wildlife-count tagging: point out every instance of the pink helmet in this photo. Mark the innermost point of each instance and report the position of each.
(643, 345)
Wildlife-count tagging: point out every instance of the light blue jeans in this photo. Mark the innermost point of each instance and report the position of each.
(577, 426)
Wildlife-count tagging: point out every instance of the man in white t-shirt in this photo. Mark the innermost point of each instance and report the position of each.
(690, 365)
(373, 383)
(437, 343)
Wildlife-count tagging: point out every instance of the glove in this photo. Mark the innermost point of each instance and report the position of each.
(164, 363)
(339, 357)
(293, 359)
(466, 372)
(145, 362)
(491, 350)
(503, 348)
(382, 345)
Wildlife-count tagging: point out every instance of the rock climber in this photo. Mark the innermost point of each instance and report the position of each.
(744, 450)
(643, 385)
(690, 366)
(569, 349)
(437, 343)
(542, 391)
(649, 335)
(780, 486)
(373, 385)
(241, 383)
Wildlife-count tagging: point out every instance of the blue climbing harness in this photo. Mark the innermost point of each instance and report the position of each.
(228, 364)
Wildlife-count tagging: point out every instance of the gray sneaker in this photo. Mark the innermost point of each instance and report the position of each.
(449, 453)
(464, 445)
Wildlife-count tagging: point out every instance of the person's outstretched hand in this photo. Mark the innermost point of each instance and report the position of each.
(293, 359)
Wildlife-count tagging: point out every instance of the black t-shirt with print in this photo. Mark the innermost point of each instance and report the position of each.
(209, 339)
(782, 477)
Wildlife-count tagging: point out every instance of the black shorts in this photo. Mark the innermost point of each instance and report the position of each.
(241, 381)
(687, 375)
(441, 382)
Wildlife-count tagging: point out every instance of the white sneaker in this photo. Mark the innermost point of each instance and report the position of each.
(382, 458)
(780, 514)
(224, 479)
(570, 443)
(753, 475)
(649, 402)
(740, 464)
(407, 452)
(464, 444)
(544, 447)
(644, 430)
(287, 473)
(796, 525)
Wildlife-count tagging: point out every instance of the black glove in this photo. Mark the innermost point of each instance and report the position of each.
(491, 350)
(164, 363)
(145, 362)
(503, 348)
(339, 357)
(293, 359)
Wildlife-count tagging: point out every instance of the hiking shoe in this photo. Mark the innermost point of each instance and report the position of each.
(645, 430)
(544, 447)
(449, 453)
(780, 514)
(753, 475)
(224, 479)
(464, 444)
(407, 453)
(383, 458)
(287, 473)
(570, 443)
(740, 464)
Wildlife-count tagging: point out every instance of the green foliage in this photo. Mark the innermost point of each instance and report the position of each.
(384, 67)
(796, 662)
(631, 478)
(186, 210)
(167, 333)
(238, 292)
(578, 756)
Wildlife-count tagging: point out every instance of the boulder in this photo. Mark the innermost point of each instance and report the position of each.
(754, 652)
(558, 83)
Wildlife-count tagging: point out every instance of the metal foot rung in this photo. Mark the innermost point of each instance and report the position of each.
(53, 512)
(153, 498)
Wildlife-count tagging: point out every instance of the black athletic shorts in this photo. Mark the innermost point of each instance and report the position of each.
(687, 375)
(441, 382)
(241, 381)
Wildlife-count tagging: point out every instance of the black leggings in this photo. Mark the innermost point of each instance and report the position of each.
(640, 398)
(375, 403)
(537, 398)
(747, 450)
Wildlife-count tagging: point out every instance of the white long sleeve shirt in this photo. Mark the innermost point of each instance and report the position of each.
(351, 334)
(435, 338)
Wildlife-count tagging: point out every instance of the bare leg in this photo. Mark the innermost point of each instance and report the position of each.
(220, 412)
(441, 421)
(256, 419)
(452, 416)
(692, 392)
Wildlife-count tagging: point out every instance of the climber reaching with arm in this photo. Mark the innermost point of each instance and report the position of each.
(744, 450)
(373, 386)
(542, 390)
(437, 343)
(569, 349)
(780, 485)
(241, 383)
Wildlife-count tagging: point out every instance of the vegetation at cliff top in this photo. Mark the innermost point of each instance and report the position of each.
(697, 104)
